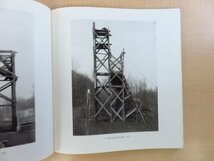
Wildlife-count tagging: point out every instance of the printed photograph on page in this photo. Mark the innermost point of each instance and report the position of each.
(114, 76)
(17, 108)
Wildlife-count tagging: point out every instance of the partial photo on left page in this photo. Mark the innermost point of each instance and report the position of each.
(25, 92)
(17, 107)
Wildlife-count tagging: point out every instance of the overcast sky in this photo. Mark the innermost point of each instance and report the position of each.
(137, 39)
(16, 33)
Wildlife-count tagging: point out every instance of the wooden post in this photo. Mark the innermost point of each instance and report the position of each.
(13, 94)
(87, 111)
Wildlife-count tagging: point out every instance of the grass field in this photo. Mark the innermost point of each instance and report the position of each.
(106, 127)
(24, 136)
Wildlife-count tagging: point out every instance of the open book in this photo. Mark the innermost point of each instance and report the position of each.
(87, 80)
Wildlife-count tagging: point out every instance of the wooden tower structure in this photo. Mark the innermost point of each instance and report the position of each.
(8, 80)
(111, 90)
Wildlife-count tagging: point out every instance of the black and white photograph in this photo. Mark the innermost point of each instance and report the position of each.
(17, 107)
(114, 76)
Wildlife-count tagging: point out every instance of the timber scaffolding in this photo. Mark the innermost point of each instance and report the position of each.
(8, 80)
(113, 98)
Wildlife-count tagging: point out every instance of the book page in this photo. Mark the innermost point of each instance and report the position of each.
(117, 79)
(25, 81)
